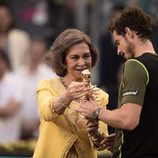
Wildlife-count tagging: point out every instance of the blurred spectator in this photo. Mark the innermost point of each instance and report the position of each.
(44, 18)
(61, 16)
(9, 103)
(32, 16)
(28, 76)
(14, 41)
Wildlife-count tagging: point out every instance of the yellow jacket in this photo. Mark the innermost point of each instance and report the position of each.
(59, 132)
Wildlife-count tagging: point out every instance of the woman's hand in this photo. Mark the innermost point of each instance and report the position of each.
(78, 90)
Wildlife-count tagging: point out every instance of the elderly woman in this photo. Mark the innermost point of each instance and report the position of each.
(63, 131)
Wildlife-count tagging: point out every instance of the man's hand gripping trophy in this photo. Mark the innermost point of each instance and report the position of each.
(99, 140)
(92, 125)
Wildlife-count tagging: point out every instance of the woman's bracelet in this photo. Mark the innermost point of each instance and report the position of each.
(52, 108)
(60, 105)
(62, 102)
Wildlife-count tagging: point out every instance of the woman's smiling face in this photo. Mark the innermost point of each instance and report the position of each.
(78, 58)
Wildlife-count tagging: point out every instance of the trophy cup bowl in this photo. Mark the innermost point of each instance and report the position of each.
(86, 75)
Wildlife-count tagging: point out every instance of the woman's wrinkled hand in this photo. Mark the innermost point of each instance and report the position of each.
(78, 90)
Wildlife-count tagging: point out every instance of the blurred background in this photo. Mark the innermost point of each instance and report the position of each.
(27, 30)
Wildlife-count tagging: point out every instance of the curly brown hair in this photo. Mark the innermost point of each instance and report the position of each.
(63, 43)
(134, 18)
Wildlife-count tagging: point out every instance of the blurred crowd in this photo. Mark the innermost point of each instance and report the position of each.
(27, 29)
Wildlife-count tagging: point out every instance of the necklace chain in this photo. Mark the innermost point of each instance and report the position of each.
(63, 82)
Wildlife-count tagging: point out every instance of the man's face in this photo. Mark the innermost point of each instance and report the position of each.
(125, 46)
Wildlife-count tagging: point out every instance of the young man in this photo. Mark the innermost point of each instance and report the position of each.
(136, 135)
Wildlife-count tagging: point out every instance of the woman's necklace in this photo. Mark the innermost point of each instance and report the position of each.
(63, 82)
